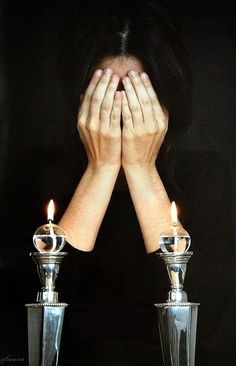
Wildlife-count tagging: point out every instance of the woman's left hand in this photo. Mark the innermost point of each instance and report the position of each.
(145, 121)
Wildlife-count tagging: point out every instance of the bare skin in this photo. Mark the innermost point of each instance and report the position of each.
(135, 148)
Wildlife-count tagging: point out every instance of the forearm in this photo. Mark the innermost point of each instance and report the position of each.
(151, 203)
(82, 218)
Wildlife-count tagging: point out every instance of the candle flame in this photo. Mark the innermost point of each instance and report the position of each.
(174, 217)
(51, 210)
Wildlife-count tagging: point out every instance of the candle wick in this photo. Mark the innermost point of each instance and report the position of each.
(175, 228)
(175, 225)
(50, 221)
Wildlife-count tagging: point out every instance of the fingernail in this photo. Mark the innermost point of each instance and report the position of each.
(126, 80)
(108, 71)
(144, 76)
(133, 74)
(98, 72)
(115, 78)
(117, 95)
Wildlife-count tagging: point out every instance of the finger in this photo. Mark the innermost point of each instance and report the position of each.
(85, 102)
(107, 103)
(143, 97)
(116, 111)
(160, 112)
(126, 113)
(133, 102)
(152, 94)
(98, 94)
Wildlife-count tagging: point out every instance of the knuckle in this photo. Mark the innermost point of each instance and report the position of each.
(127, 116)
(152, 130)
(81, 122)
(92, 129)
(104, 131)
(154, 101)
(165, 129)
(135, 109)
(87, 98)
(145, 102)
(105, 107)
(114, 116)
(112, 85)
(162, 125)
(92, 125)
(104, 80)
(139, 133)
(109, 134)
(95, 100)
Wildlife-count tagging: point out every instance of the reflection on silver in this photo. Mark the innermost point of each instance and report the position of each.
(45, 323)
(48, 265)
(177, 326)
(45, 317)
(177, 318)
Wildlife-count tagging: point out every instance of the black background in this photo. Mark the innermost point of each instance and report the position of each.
(33, 131)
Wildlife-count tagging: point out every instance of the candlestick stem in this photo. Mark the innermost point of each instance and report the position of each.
(177, 318)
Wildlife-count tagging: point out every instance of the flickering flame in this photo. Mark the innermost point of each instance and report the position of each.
(51, 210)
(174, 217)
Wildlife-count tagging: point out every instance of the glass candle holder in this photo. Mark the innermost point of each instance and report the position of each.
(49, 238)
(176, 240)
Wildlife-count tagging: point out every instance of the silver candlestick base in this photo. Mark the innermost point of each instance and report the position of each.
(45, 317)
(177, 318)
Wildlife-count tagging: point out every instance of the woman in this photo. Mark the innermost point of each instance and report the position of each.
(129, 70)
(143, 56)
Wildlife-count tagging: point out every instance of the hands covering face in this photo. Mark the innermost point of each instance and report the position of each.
(145, 122)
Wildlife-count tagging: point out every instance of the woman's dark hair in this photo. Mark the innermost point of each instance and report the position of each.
(145, 30)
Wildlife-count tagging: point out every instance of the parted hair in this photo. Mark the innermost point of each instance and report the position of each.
(146, 30)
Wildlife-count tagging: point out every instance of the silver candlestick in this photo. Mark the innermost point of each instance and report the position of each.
(45, 317)
(177, 318)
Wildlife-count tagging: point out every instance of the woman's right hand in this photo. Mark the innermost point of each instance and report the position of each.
(99, 120)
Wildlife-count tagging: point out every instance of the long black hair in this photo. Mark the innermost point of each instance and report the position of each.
(146, 30)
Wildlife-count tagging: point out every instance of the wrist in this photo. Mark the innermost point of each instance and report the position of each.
(145, 168)
(145, 179)
(100, 168)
